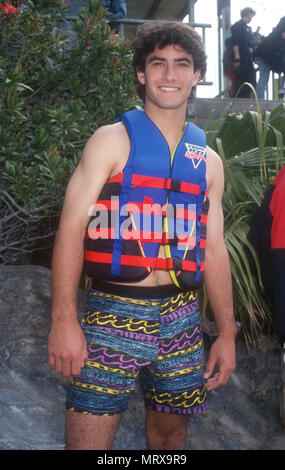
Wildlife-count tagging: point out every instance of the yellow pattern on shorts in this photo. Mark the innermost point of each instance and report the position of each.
(197, 396)
(101, 389)
(178, 301)
(107, 369)
(182, 351)
(177, 372)
(131, 324)
(145, 303)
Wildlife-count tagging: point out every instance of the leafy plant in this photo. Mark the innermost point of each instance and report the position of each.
(56, 89)
(251, 146)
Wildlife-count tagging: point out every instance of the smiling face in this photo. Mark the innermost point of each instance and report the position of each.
(168, 77)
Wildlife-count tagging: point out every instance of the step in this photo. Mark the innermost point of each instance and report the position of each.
(203, 109)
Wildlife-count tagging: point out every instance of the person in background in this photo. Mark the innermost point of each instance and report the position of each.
(117, 9)
(270, 55)
(267, 235)
(229, 77)
(243, 45)
(228, 58)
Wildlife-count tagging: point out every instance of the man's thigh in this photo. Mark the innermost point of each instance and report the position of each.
(90, 432)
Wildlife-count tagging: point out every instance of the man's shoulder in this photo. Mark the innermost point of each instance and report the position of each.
(109, 132)
(109, 138)
(238, 26)
(108, 145)
(213, 157)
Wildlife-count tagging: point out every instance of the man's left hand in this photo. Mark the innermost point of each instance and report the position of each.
(222, 354)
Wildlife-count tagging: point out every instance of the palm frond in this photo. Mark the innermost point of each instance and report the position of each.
(251, 146)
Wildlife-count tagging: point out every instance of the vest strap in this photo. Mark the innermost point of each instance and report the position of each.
(176, 264)
(165, 183)
(145, 237)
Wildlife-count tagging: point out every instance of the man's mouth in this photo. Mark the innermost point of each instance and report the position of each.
(169, 89)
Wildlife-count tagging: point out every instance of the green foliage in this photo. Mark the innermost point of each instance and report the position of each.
(56, 89)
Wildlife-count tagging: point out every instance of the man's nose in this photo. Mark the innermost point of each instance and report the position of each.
(169, 72)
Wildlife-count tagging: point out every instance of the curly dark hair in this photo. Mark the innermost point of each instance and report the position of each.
(162, 34)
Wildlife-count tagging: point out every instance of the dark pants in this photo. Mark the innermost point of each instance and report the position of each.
(246, 73)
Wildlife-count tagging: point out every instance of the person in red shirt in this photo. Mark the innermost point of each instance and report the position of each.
(267, 235)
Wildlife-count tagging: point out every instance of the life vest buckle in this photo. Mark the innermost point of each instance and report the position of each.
(172, 185)
(176, 264)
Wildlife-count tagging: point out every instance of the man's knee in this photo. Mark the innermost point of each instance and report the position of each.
(166, 431)
(173, 438)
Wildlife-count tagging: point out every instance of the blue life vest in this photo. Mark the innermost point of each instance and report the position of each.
(158, 199)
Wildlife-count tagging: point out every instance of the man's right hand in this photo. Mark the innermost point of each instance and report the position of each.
(67, 348)
(236, 66)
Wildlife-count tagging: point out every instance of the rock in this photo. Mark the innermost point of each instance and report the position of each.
(241, 415)
(31, 395)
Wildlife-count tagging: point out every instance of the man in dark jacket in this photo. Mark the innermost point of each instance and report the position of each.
(270, 55)
(242, 42)
(267, 235)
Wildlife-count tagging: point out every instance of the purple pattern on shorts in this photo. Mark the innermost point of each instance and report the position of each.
(180, 312)
(149, 339)
(184, 341)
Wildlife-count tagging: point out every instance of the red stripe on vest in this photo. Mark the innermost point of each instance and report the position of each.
(143, 236)
(163, 183)
(128, 260)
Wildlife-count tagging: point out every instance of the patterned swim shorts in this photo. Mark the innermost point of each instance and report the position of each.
(157, 340)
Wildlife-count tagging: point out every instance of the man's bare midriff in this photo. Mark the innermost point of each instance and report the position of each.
(157, 277)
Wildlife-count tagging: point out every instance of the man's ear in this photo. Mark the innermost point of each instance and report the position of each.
(196, 79)
(141, 76)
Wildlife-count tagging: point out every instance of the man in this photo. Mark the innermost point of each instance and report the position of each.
(242, 42)
(146, 172)
(270, 55)
(267, 235)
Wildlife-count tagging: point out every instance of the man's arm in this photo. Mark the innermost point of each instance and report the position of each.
(218, 280)
(236, 61)
(236, 31)
(67, 345)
